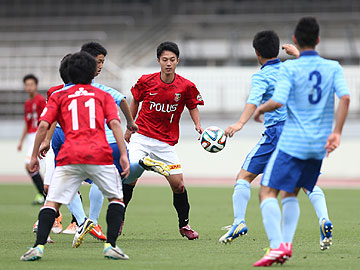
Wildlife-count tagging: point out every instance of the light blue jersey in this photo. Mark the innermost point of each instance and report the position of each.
(307, 86)
(262, 88)
(118, 97)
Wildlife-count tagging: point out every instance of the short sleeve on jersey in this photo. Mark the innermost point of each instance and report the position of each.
(257, 90)
(283, 85)
(110, 109)
(50, 113)
(340, 85)
(138, 90)
(193, 97)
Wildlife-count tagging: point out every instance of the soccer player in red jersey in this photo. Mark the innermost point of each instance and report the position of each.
(33, 107)
(163, 96)
(81, 110)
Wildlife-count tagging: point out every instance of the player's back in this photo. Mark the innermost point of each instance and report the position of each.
(312, 82)
(82, 110)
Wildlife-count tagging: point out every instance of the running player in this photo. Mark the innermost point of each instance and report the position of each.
(306, 86)
(85, 153)
(32, 109)
(266, 45)
(163, 96)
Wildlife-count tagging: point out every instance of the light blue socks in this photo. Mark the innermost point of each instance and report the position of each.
(291, 213)
(76, 208)
(135, 172)
(241, 197)
(317, 198)
(96, 201)
(271, 214)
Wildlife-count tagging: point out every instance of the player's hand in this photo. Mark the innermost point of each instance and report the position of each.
(199, 129)
(127, 135)
(132, 127)
(231, 130)
(291, 50)
(125, 166)
(34, 165)
(257, 115)
(332, 143)
(44, 148)
(20, 146)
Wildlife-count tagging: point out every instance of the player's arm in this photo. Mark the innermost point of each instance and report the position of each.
(40, 136)
(291, 50)
(128, 115)
(268, 106)
(45, 145)
(134, 107)
(115, 126)
(245, 116)
(333, 140)
(23, 135)
(195, 116)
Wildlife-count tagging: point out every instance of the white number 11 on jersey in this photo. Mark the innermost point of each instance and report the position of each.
(73, 107)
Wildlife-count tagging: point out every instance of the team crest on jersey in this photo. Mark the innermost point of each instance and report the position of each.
(81, 92)
(199, 97)
(177, 97)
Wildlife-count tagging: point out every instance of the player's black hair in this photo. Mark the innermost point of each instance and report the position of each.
(93, 48)
(30, 77)
(82, 68)
(307, 32)
(167, 46)
(267, 43)
(64, 65)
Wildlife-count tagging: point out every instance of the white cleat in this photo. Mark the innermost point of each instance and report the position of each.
(81, 232)
(114, 253)
(33, 254)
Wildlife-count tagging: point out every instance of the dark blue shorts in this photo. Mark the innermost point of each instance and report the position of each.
(257, 159)
(285, 172)
(59, 138)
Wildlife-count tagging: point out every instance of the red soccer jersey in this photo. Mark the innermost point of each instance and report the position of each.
(81, 111)
(32, 110)
(162, 105)
(53, 89)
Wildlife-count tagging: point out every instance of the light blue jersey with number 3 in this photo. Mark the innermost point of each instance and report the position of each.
(307, 86)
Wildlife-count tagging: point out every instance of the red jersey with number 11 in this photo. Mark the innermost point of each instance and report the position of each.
(163, 104)
(81, 111)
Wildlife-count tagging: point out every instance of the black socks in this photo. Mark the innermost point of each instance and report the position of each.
(114, 218)
(182, 207)
(46, 221)
(38, 182)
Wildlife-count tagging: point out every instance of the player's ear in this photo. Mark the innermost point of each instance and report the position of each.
(257, 53)
(295, 41)
(317, 41)
(158, 59)
(178, 59)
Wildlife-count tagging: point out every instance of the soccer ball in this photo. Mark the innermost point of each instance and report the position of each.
(213, 139)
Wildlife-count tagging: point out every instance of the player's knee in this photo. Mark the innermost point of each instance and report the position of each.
(178, 187)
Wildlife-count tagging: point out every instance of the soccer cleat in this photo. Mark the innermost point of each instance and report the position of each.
(277, 255)
(234, 232)
(33, 254)
(81, 232)
(71, 229)
(188, 232)
(49, 240)
(39, 199)
(326, 228)
(114, 253)
(159, 167)
(97, 233)
(57, 226)
(35, 227)
(289, 249)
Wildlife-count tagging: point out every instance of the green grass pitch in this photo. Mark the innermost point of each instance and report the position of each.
(152, 240)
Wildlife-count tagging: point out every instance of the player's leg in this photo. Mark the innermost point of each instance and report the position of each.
(107, 178)
(96, 201)
(76, 209)
(65, 182)
(182, 206)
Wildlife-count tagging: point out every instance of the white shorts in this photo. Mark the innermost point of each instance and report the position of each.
(67, 179)
(141, 146)
(49, 166)
(30, 140)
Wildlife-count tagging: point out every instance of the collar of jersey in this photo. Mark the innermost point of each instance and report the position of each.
(271, 62)
(308, 53)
